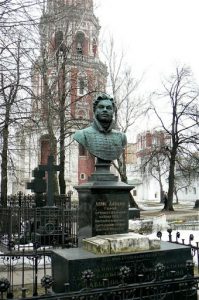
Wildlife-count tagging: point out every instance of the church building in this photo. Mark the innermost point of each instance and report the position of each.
(66, 77)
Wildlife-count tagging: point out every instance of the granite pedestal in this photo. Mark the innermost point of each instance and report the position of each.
(68, 265)
(103, 204)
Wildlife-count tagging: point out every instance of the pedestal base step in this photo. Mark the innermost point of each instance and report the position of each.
(120, 243)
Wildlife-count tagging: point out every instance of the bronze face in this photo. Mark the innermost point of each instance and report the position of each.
(104, 111)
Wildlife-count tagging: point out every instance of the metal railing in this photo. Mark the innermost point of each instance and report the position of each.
(29, 201)
(15, 266)
(50, 226)
(175, 240)
(183, 288)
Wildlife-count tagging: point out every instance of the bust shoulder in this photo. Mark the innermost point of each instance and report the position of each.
(80, 135)
(122, 136)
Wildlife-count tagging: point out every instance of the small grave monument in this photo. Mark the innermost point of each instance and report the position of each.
(47, 227)
(38, 186)
(50, 169)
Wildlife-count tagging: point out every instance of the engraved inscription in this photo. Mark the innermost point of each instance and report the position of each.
(142, 263)
(110, 217)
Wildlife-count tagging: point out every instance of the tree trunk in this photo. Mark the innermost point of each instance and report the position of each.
(161, 189)
(122, 167)
(62, 96)
(169, 204)
(123, 176)
(4, 167)
(47, 103)
(176, 195)
(161, 194)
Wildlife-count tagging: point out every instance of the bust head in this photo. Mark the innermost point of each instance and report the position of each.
(101, 97)
(103, 108)
(99, 138)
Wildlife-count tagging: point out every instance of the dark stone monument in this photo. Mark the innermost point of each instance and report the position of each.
(196, 206)
(50, 168)
(47, 226)
(103, 200)
(103, 204)
(103, 211)
(38, 186)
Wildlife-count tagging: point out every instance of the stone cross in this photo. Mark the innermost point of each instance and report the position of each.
(50, 168)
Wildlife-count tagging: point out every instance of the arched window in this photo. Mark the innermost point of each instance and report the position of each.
(80, 43)
(58, 38)
(82, 150)
(82, 176)
(45, 149)
(82, 114)
(82, 84)
(94, 46)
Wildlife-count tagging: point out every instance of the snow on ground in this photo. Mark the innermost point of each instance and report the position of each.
(28, 260)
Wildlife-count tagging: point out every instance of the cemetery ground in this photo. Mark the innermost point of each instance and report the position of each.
(183, 212)
(184, 219)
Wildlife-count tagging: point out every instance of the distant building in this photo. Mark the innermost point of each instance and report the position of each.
(131, 153)
(149, 140)
(140, 175)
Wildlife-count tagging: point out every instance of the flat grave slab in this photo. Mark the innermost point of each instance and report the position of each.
(68, 265)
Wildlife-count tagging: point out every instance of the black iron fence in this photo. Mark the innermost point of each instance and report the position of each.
(20, 227)
(20, 270)
(179, 289)
(176, 240)
(30, 200)
(27, 220)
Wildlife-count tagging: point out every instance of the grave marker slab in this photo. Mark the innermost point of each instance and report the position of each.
(75, 261)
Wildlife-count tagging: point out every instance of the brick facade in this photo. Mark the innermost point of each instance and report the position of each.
(73, 39)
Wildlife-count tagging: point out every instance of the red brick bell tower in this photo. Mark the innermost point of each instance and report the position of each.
(71, 39)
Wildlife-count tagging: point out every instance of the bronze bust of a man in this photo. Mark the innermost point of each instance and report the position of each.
(100, 139)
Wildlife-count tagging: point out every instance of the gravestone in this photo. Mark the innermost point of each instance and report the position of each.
(50, 169)
(104, 218)
(196, 206)
(38, 186)
(47, 224)
(103, 212)
(75, 261)
(103, 204)
(134, 213)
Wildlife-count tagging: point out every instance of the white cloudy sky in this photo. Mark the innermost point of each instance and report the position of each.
(155, 34)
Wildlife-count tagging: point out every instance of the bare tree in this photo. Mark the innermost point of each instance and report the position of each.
(124, 88)
(14, 107)
(14, 82)
(182, 122)
(186, 172)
